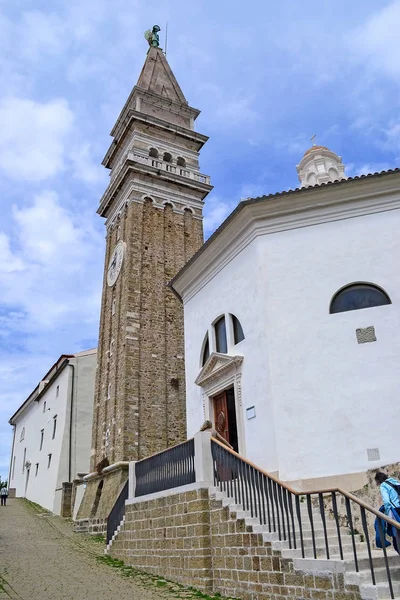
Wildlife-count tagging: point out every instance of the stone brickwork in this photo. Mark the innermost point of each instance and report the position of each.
(66, 499)
(100, 495)
(192, 539)
(169, 536)
(155, 208)
(91, 526)
(140, 390)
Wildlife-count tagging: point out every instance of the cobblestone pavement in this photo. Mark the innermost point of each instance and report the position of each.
(41, 558)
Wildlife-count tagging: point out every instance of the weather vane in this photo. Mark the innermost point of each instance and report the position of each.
(152, 36)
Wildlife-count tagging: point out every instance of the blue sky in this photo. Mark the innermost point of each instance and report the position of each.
(266, 76)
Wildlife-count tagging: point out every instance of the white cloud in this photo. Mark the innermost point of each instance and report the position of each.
(8, 262)
(32, 137)
(216, 211)
(378, 42)
(57, 266)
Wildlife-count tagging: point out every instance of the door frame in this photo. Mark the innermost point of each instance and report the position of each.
(220, 373)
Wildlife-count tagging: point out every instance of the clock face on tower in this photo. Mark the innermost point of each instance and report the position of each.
(115, 264)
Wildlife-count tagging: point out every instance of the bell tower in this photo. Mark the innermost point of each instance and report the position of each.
(153, 216)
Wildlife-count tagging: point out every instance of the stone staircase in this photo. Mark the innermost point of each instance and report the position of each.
(116, 532)
(321, 564)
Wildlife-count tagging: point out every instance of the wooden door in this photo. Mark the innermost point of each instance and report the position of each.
(221, 415)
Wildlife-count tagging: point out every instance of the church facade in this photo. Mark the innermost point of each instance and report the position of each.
(291, 313)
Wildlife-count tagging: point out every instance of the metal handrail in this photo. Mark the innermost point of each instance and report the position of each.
(166, 470)
(117, 513)
(349, 495)
(277, 506)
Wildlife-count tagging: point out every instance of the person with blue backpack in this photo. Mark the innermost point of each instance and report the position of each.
(390, 492)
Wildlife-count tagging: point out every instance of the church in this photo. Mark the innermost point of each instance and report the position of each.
(277, 333)
(278, 329)
(290, 312)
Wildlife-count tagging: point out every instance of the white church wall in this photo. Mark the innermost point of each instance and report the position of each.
(333, 398)
(85, 369)
(322, 400)
(237, 290)
(45, 487)
(40, 486)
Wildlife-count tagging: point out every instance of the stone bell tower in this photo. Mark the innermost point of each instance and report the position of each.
(153, 210)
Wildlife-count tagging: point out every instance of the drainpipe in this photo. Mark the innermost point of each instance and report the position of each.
(70, 423)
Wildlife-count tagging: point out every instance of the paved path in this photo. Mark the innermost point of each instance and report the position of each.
(42, 559)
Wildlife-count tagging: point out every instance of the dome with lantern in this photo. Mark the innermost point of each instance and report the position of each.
(320, 165)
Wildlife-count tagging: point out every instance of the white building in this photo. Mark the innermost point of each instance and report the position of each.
(52, 431)
(291, 320)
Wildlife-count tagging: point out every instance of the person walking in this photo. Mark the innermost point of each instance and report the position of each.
(390, 489)
(4, 495)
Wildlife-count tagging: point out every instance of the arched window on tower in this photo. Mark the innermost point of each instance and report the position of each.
(181, 162)
(153, 152)
(206, 350)
(167, 157)
(238, 334)
(358, 295)
(221, 343)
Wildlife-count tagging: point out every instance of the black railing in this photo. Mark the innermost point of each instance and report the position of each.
(166, 470)
(117, 513)
(279, 509)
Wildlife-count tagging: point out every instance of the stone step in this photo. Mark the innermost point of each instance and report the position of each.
(335, 565)
(380, 591)
(334, 551)
(318, 530)
(364, 575)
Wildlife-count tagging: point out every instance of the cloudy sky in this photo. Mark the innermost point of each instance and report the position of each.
(267, 75)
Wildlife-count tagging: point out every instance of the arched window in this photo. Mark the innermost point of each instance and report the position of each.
(221, 343)
(181, 162)
(357, 296)
(167, 157)
(206, 350)
(238, 334)
(153, 152)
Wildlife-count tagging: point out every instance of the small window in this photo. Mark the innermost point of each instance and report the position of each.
(44, 406)
(206, 351)
(24, 461)
(238, 334)
(36, 469)
(54, 426)
(358, 296)
(48, 461)
(153, 152)
(22, 436)
(41, 438)
(167, 157)
(57, 391)
(181, 162)
(220, 336)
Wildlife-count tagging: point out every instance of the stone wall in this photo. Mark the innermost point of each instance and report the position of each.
(169, 536)
(98, 501)
(192, 539)
(66, 499)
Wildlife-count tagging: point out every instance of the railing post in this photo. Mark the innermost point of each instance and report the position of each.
(132, 480)
(203, 462)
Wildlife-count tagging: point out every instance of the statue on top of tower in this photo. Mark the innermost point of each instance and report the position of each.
(152, 36)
